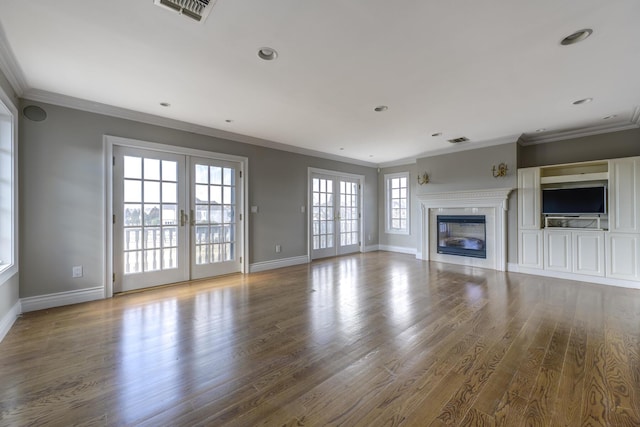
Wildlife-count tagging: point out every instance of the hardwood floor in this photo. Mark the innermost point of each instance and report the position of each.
(376, 339)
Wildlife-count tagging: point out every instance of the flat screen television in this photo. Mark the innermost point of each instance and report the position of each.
(575, 201)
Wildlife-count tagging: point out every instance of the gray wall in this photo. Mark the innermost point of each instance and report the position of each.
(9, 290)
(62, 206)
(612, 145)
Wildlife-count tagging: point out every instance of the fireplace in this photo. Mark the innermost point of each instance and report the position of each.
(471, 241)
(462, 235)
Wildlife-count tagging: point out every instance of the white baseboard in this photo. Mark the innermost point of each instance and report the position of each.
(579, 277)
(371, 248)
(513, 267)
(399, 249)
(42, 302)
(278, 263)
(7, 321)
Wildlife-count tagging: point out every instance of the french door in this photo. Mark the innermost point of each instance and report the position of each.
(335, 215)
(175, 218)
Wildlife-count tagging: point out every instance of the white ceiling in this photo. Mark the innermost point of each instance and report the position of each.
(488, 70)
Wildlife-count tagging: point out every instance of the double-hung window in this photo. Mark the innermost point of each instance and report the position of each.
(397, 205)
(8, 195)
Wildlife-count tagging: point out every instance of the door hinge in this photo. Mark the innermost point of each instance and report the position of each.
(114, 277)
(240, 260)
(359, 215)
(240, 174)
(114, 218)
(114, 160)
(359, 187)
(240, 217)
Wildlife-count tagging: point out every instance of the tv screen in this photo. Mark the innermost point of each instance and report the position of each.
(574, 201)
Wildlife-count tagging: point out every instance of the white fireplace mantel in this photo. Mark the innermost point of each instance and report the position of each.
(493, 203)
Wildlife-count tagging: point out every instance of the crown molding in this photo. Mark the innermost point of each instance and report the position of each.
(10, 66)
(632, 123)
(123, 113)
(455, 148)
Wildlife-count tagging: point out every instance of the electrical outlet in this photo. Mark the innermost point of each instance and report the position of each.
(76, 271)
(302, 209)
(278, 249)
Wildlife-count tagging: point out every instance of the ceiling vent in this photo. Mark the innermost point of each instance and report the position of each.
(198, 10)
(458, 140)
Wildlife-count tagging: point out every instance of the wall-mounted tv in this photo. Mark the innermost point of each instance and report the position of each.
(575, 201)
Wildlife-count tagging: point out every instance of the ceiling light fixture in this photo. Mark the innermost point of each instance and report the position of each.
(576, 37)
(267, 53)
(436, 134)
(541, 130)
(582, 101)
(381, 108)
(165, 104)
(609, 117)
(229, 121)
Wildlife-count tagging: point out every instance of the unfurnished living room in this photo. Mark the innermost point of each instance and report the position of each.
(362, 213)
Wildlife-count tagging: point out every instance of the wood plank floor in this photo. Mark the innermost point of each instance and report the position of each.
(377, 339)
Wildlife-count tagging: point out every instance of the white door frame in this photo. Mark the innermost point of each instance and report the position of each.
(360, 178)
(110, 141)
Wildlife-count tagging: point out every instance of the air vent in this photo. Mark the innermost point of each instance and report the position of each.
(198, 10)
(458, 140)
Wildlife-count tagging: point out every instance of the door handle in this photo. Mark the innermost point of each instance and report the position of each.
(193, 218)
(183, 218)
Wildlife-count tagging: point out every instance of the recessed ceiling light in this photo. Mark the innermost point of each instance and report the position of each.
(436, 134)
(341, 148)
(380, 108)
(576, 37)
(267, 53)
(582, 101)
(165, 104)
(541, 130)
(609, 117)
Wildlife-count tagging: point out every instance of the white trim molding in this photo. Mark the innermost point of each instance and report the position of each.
(9, 319)
(59, 299)
(371, 248)
(278, 263)
(579, 277)
(398, 249)
(493, 202)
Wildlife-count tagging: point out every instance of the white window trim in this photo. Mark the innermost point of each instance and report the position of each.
(387, 203)
(10, 269)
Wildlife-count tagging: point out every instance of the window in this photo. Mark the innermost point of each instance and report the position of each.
(8, 223)
(397, 203)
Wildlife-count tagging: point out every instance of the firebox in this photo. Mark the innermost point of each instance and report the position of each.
(462, 235)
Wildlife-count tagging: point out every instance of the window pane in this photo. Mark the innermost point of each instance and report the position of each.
(169, 193)
(169, 170)
(152, 169)
(132, 167)
(132, 191)
(202, 174)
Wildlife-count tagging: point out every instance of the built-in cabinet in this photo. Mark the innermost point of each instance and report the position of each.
(624, 195)
(575, 247)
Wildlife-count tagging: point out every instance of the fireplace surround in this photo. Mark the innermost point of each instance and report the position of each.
(491, 204)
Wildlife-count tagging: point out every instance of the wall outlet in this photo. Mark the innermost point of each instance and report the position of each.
(302, 209)
(76, 271)
(254, 209)
(278, 249)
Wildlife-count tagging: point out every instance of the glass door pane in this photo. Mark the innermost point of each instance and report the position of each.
(215, 217)
(335, 215)
(323, 216)
(150, 237)
(349, 218)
